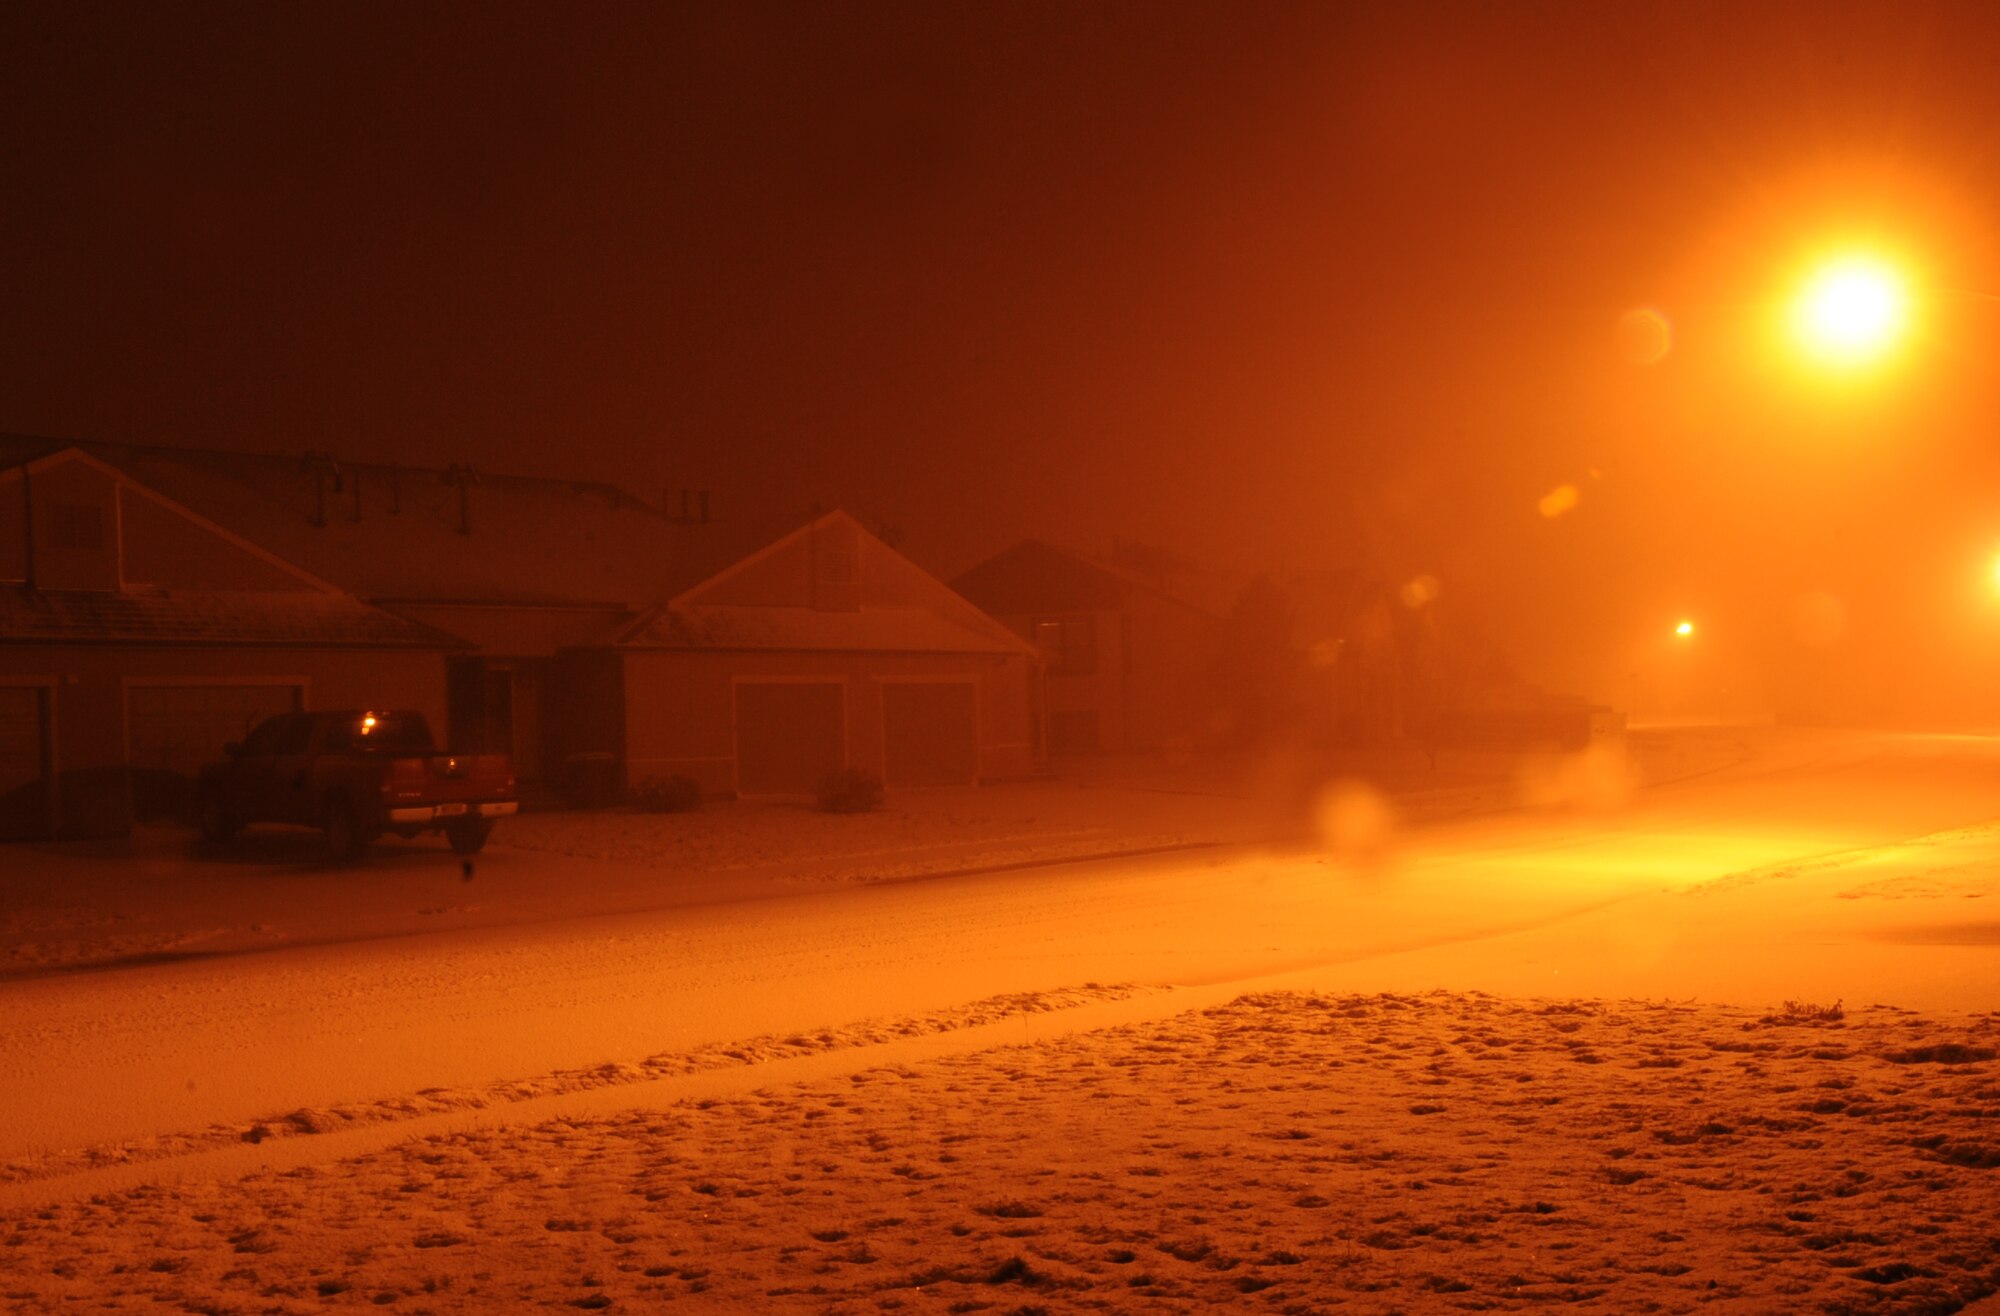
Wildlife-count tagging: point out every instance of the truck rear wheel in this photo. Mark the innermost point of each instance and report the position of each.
(467, 835)
(346, 836)
(218, 821)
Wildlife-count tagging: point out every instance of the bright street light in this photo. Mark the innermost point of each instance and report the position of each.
(1685, 629)
(1852, 311)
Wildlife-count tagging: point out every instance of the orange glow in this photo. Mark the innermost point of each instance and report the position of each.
(1420, 590)
(1819, 617)
(1559, 500)
(1685, 629)
(1851, 311)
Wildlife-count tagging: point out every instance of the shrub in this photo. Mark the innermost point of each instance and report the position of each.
(850, 790)
(1806, 1012)
(673, 795)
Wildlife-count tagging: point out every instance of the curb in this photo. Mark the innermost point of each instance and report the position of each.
(1102, 856)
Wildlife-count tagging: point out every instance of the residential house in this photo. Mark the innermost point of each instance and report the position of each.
(154, 600)
(824, 648)
(1127, 663)
(137, 635)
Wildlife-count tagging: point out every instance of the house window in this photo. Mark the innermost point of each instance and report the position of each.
(76, 526)
(1068, 643)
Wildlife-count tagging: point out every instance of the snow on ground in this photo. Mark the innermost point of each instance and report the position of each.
(1382, 1134)
(1103, 805)
(432, 1101)
(1283, 1152)
(162, 895)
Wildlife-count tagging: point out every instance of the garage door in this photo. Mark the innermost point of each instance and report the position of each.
(174, 729)
(788, 735)
(930, 734)
(24, 776)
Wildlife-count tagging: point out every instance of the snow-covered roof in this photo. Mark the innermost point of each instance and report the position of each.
(292, 617)
(882, 630)
(782, 597)
(387, 531)
(1034, 576)
(523, 564)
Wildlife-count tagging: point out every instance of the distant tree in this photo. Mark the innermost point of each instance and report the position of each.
(1156, 564)
(1256, 668)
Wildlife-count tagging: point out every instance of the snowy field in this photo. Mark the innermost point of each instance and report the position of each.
(1287, 1152)
(1544, 1035)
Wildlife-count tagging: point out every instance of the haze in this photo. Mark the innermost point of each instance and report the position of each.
(1273, 288)
(821, 657)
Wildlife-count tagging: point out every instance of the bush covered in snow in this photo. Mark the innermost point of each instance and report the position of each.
(850, 790)
(673, 795)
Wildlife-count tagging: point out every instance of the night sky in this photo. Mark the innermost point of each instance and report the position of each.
(1270, 285)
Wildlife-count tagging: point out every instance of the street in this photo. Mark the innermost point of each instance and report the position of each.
(136, 1052)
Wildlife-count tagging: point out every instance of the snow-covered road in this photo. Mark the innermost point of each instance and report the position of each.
(119, 1054)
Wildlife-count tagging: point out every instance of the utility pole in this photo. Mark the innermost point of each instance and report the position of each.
(463, 477)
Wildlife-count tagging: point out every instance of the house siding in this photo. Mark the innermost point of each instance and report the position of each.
(585, 718)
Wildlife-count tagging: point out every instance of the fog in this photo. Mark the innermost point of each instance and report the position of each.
(1303, 288)
(1082, 657)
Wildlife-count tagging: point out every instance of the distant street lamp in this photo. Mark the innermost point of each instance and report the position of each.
(1684, 630)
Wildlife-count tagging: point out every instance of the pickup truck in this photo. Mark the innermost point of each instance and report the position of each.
(355, 774)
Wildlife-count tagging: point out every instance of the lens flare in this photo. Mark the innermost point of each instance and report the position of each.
(1420, 590)
(1356, 822)
(1645, 335)
(1561, 499)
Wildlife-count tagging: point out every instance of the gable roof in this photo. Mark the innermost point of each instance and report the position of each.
(1033, 576)
(72, 454)
(751, 604)
(386, 531)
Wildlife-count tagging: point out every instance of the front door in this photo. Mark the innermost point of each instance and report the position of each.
(24, 763)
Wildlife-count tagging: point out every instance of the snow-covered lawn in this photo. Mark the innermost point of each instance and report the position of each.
(1284, 1152)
